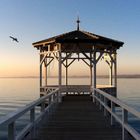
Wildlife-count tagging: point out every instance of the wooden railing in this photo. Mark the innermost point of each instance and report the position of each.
(108, 103)
(10, 120)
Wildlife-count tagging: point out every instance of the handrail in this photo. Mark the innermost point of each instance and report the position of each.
(10, 119)
(103, 98)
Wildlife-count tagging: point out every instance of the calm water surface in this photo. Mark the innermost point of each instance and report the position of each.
(17, 92)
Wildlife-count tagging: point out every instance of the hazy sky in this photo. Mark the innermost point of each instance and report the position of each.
(34, 20)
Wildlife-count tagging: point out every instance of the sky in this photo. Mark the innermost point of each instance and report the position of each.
(34, 20)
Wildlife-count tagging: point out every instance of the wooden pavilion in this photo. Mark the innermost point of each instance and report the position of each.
(81, 45)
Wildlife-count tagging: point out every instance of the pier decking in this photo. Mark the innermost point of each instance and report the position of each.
(78, 118)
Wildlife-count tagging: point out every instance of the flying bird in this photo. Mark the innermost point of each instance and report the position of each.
(14, 39)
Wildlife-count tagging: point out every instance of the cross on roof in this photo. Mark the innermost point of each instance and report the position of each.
(78, 23)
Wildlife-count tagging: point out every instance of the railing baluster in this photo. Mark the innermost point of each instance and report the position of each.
(100, 105)
(32, 115)
(105, 102)
(50, 99)
(124, 121)
(11, 131)
(113, 111)
(42, 106)
(32, 119)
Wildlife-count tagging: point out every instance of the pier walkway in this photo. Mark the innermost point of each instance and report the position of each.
(78, 118)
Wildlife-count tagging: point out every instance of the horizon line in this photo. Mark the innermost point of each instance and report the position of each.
(81, 76)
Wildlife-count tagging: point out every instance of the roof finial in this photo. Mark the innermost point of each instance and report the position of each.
(78, 23)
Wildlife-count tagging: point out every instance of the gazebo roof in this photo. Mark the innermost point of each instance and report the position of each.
(83, 38)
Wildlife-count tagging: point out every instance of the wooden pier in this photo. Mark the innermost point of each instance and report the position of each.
(78, 118)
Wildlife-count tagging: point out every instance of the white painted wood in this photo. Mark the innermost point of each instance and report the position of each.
(124, 121)
(91, 65)
(46, 72)
(66, 71)
(11, 131)
(59, 71)
(32, 115)
(105, 103)
(125, 126)
(95, 70)
(32, 119)
(40, 71)
(111, 75)
(112, 110)
(10, 119)
(115, 70)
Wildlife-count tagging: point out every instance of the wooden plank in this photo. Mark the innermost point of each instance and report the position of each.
(77, 118)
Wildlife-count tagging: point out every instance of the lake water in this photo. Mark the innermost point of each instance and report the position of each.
(17, 92)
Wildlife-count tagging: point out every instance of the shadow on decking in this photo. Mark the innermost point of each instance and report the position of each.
(78, 118)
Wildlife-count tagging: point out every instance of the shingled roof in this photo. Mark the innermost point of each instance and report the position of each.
(78, 36)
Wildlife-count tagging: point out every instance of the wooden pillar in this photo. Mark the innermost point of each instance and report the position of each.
(46, 72)
(45, 75)
(91, 69)
(94, 70)
(59, 72)
(40, 71)
(66, 71)
(59, 69)
(111, 74)
(115, 71)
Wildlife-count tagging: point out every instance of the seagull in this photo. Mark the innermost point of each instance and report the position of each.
(14, 39)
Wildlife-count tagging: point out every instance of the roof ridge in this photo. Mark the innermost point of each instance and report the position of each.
(90, 34)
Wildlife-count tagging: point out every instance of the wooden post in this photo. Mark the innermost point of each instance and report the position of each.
(113, 111)
(90, 69)
(110, 75)
(94, 68)
(40, 70)
(66, 71)
(115, 71)
(11, 131)
(32, 119)
(59, 72)
(125, 120)
(105, 102)
(45, 71)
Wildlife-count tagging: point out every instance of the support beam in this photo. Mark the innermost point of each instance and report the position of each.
(43, 58)
(59, 68)
(46, 72)
(99, 57)
(91, 69)
(93, 61)
(115, 71)
(111, 74)
(49, 62)
(94, 72)
(66, 72)
(94, 69)
(59, 71)
(86, 62)
(71, 62)
(67, 56)
(40, 70)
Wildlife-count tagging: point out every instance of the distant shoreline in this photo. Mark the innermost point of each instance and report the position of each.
(99, 76)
